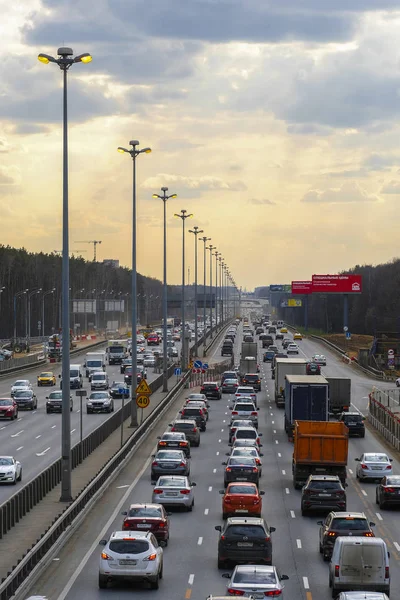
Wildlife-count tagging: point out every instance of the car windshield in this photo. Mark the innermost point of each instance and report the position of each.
(209, 386)
(324, 485)
(74, 373)
(46, 375)
(145, 511)
(23, 394)
(5, 402)
(255, 577)
(251, 377)
(196, 397)
(5, 461)
(246, 433)
(230, 381)
(245, 406)
(245, 443)
(245, 530)
(129, 546)
(376, 458)
(98, 376)
(242, 460)
(353, 418)
(185, 425)
(172, 482)
(393, 481)
(245, 452)
(118, 384)
(173, 436)
(348, 523)
(245, 390)
(98, 396)
(169, 454)
(22, 383)
(242, 489)
(55, 395)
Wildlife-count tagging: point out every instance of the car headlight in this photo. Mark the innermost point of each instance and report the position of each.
(106, 402)
(89, 403)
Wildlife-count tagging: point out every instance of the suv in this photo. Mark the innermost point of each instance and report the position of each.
(342, 524)
(354, 422)
(245, 410)
(195, 413)
(99, 402)
(252, 379)
(323, 492)
(227, 348)
(189, 428)
(54, 402)
(211, 390)
(267, 341)
(244, 539)
(268, 356)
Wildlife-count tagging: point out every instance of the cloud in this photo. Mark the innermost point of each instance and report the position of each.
(380, 162)
(393, 187)
(194, 184)
(261, 201)
(30, 129)
(349, 192)
(9, 175)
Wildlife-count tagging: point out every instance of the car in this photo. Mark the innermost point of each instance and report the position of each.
(241, 498)
(10, 470)
(8, 409)
(195, 413)
(292, 349)
(195, 396)
(99, 381)
(342, 524)
(251, 451)
(245, 390)
(241, 468)
(313, 368)
(19, 385)
(229, 386)
(211, 390)
(26, 399)
(236, 423)
(361, 596)
(169, 462)
(149, 361)
(279, 336)
(388, 491)
(248, 338)
(174, 440)
(373, 465)
(153, 339)
(245, 410)
(173, 352)
(320, 359)
(173, 490)
(323, 492)
(273, 348)
(268, 356)
(253, 380)
(54, 402)
(246, 433)
(259, 330)
(244, 540)
(228, 375)
(297, 336)
(286, 342)
(258, 581)
(354, 421)
(148, 517)
(99, 402)
(284, 330)
(198, 404)
(189, 428)
(126, 362)
(131, 556)
(245, 443)
(119, 389)
(46, 378)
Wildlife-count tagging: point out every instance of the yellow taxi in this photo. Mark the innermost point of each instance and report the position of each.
(283, 329)
(46, 378)
(297, 336)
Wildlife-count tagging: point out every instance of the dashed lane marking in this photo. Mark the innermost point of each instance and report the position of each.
(283, 472)
(191, 579)
(206, 511)
(20, 448)
(279, 455)
(210, 488)
(200, 541)
(276, 442)
(379, 516)
(287, 490)
(397, 546)
(364, 493)
(298, 542)
(214, 470)
(217, 453)
(305, 583)
(292, 514)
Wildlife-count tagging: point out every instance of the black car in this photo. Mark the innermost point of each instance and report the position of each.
(244, 540)
(354, 421)
(174, 440)
(342, 524)
(279, 336)
(252, 379)
(228, 375)
(26, 399)
(211, 390)
(286, 342)
(388, 491)
(323, 492)
(268, 340)
(195, 414)
(54, 402)
(268, 356)
(227, 348)
(241, 468)
(119, 389)
(127, 362)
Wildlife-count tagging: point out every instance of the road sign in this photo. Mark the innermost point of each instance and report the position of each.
(177, 371)
(81, 393)
(143, 388)
(190, 365)
(198, 370)
(348, 335)
(123, 391)
(198, 364)
(142, 401)
(205, 366)
(194, 370)
(391, 352)
(203, 370)
(345, 328)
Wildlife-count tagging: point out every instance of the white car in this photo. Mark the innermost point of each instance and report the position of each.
(246, 391)
(10, 470)
(256, 581)
(20, 384)
(292, 349)
(174, 490)
(99, 381)
(373, 465)
(131, 555)
(149, 361)
(320, 359)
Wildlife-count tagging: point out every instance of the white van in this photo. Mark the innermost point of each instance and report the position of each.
(359, 563)
(75, 377)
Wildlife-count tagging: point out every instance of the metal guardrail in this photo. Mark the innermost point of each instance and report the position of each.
(385, 420)
(33, 556)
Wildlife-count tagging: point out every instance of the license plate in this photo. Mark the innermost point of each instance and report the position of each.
(245, 544)
(376, 468)
(241, 478)
(258, 596)
(241, 510)
(324, 495)
(173, 444)
(143, 526)
(171, 493)
(168, 466)
(127, 562)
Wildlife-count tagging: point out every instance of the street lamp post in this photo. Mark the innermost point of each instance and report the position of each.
(196, 232)
(211, 248)
(65, 61)
(43, 297)
(134, 153)
(28, 315)
(216, 254)
(204, 239)
(220, 261)
(3, 287)
(17, 295)
(183, 215)
(164, 198)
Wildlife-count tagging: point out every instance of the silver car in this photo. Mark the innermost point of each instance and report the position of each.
(258, 581)
(99, 381)
(20, 384)
(172, 490)
(362, 596)
(373, 465)
(10, 470)
(169, 462)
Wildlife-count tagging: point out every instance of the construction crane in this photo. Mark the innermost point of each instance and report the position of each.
(94, 242)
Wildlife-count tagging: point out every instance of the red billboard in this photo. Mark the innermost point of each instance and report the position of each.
(336, 284)
(301, 287)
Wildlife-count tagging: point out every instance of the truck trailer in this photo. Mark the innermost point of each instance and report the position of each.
(339, 394)
(283, 367)
(306, 399)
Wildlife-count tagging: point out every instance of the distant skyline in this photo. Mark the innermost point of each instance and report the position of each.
(276, 123)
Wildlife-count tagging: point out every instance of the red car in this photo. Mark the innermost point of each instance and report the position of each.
(8, 409)
(148, 517)
(241, 498)
(153, 339)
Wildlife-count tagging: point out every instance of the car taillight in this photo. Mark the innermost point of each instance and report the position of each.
(368, 534)
(389, 489)
(337, 570)
(173, 429)
(273, 593)
(306, 492)
(158, 491)
(389, 467)
(235, 412)
(126, 525)
(162, 443)
(387, 574)
(162, 525)
(258, 381)
(150, 557)
(255, 470)
(228, 469)
(331, 534)
(154, 463)
(254, 413)
(258, 440)
(258, 461)
(194, 430)
(233, 592)
(267, 539)
(340, 493)
(364, 466)
(185, 491)
(105, 556)
(182, 464)
(183, 443)
(256, 501)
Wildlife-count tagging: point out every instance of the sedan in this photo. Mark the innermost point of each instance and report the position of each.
(248, 451)
(149, 361)
(320, 359)
(174, 491)
(196, 397)
(20, 384)
(257, 581)
(229, 386)
(240, 469)
(26, 399)
(47, 378)
(297, 336)
(246, 390)
(292, 349)
(388, 491)
(148, 517)
(246, 433)
(373, 465)
(189, 428)
(175, 440)
(241, 498)
(197, 404)
(119, 389)
(8, 409)
(236, 423)
(169, 462)
(10, 470)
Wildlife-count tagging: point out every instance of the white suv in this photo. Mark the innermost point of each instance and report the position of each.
(130, 556)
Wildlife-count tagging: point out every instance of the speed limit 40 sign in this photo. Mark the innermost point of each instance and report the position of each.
(143, 401)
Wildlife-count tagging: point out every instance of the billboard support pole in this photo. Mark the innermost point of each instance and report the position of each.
(306, 313)
(345, 310)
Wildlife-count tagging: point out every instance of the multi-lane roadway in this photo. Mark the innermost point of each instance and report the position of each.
(190, 561)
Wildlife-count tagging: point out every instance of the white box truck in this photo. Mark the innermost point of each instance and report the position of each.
(94, 361)
(286, 366)
(117, 350)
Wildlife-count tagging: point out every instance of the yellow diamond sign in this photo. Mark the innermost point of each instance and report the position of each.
(143, 388)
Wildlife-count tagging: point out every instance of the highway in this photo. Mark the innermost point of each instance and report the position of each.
(190, 561)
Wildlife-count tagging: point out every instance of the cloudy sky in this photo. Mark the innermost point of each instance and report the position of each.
(275, 121)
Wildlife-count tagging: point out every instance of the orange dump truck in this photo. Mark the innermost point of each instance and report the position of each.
(320, 448)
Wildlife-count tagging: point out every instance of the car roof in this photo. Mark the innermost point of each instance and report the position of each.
(178, 478)
(177, 421)
(245, 521)
(324, 478)
(145, 505)
(344, 514)
(121, 535)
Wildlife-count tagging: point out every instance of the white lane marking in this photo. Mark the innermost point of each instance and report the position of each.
(210, 488)
(38, 436)
(72, 430)
(279, 455)
(298, 542)
(223, 422)
(20, 419)
(20, 448)
(214, 470)
(200, 541)
(364, 493)
(276, 442)
(292, 514)
(191, 579)
(44, 452)
(54, 426)
(206, 511)
(226, 414)
(222, 431)
(219, 441)
(305, 583)
(272, 414)
(379, 516)
(351, 471)
(3, 427)
(274, 431)
(78, 411)
(287, 490)
(283, 472)
(273, 422)
(121, 487)
(217, 453)
(17, 434)
(397, 546)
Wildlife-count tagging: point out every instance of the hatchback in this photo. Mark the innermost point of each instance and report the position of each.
(241, 468)
(169, 462)
(148, 517)
(189, 428)
(388, 491)
(244, 540)
(196, 414)
(354, 421)
(211, 390)
(253, 380)
(341, 524)
(373, 465)
(241, 498)
(258, 581)
(268, 356)
(323, 492)
(172, 490)
(130, 556)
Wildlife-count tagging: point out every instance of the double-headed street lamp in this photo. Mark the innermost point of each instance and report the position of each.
(28, 314)
(17, 295)
(164, 198)
(65, 61)
(134, 153)
(216, 254)
(211, 248)
(183, 215)
(43, 297)
(196, 232)
(204, 239)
